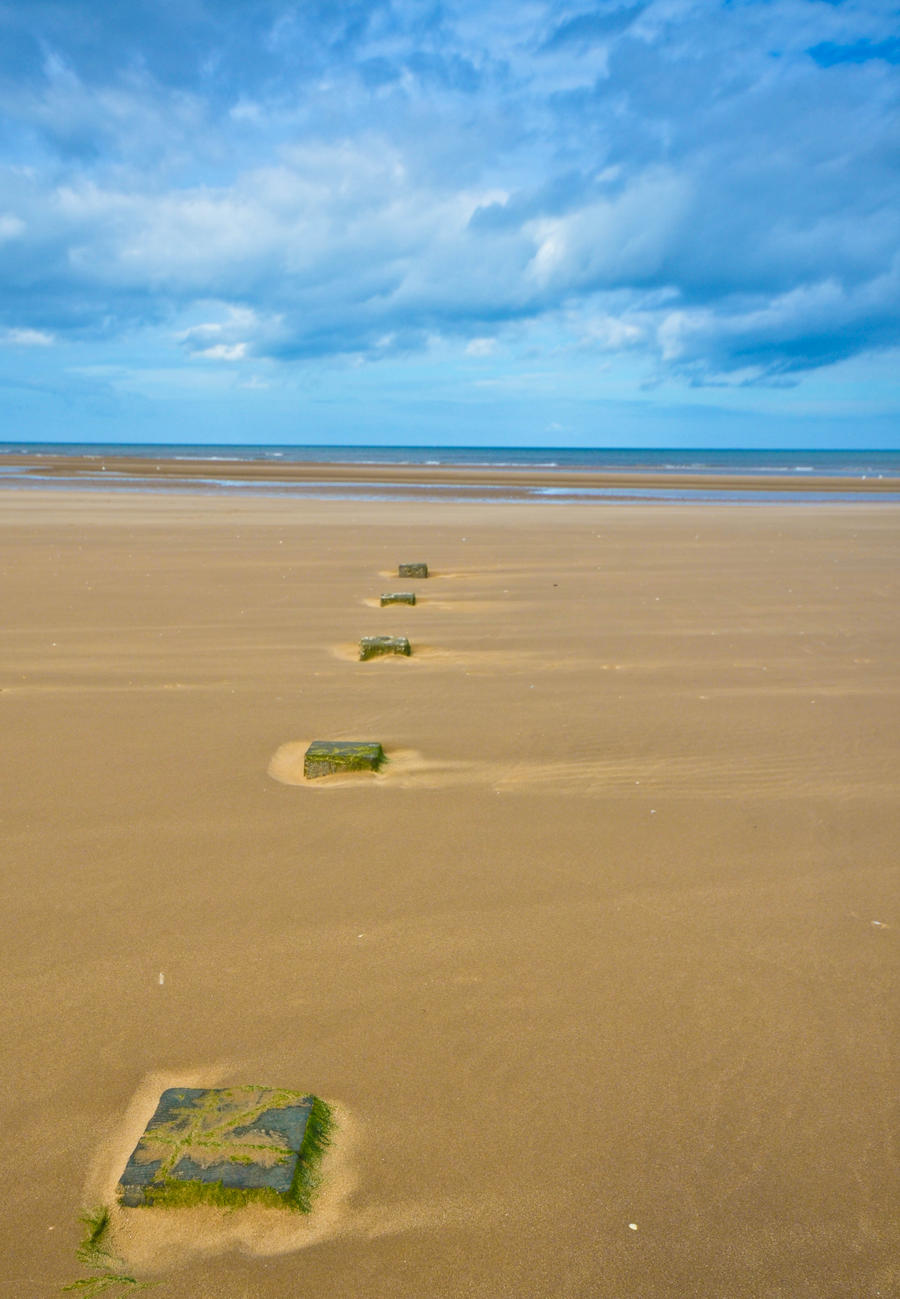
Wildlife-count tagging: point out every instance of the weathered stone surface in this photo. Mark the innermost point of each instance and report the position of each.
(224, 1146)
(371, 647)
(412, 570)
(325, 757)
(398, 597)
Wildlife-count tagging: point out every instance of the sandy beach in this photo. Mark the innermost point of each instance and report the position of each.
(599, 972)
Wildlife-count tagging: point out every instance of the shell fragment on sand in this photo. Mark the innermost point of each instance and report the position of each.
(412, 570)
(326, 757)
(371, 647)
(398, 597)
(227, 1146)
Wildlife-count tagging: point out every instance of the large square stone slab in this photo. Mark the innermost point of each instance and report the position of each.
(227, 1146)
(371, 647)
(326, 757)
(398, 597)
(412, 570)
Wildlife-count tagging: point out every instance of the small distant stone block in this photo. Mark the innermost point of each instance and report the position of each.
(412, 570)
(371, 647)
(398, 597)
(327, 757)
(227, 1146)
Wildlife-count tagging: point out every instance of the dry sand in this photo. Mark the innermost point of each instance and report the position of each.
(607, 945)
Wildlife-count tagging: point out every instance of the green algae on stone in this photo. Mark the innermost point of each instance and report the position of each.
(371, 647)
(398, 597)
(229, 1146)
(328, 757)
(412, 570)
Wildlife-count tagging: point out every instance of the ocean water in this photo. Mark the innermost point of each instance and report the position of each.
(850, 464)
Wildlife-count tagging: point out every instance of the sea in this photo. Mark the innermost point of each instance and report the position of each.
(851, 465)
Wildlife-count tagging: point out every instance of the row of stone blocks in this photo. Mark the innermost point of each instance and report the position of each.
(231, 1145)
(405, 597)
(330, 757)
(371, 647)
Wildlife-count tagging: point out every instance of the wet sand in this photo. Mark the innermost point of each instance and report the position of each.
(598, 971)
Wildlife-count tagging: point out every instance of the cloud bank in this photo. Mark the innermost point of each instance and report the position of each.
(709, 185)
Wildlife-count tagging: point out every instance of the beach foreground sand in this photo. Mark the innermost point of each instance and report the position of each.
(596, 971)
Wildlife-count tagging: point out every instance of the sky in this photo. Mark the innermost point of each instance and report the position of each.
(479, 222)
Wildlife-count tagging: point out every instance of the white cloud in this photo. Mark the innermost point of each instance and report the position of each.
(623, 239)
(27, 338)
(481, 347)
(611, 333)
(619, 158)
(10, 226)
(234, 319)
(224, 352)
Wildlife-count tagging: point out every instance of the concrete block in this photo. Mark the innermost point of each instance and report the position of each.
(227, 1146)
(371, 647)
(327, 757)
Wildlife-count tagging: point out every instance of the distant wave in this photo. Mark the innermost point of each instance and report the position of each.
(745, 467)
(502, 464)
(784, 469)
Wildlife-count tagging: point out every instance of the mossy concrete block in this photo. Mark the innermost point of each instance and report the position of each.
(412, 570)
(326, 757)
(398, 597)
(226, 1146)
(371, 647)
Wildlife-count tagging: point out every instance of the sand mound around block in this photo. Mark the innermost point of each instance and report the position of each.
(675, 776)
(149, 1240)
(402, 769)
(410, 769)
(489, 604)
(348, 652)
(491, 660)
(396, 599)
(287, 767)
(374, 602)
(400, 580)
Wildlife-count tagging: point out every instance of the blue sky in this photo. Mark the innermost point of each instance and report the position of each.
(649, 222)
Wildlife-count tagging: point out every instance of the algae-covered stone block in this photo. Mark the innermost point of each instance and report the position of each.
(228, 1146)
(398, 597)
(412, 570)
(371, 647)
(325, 757)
